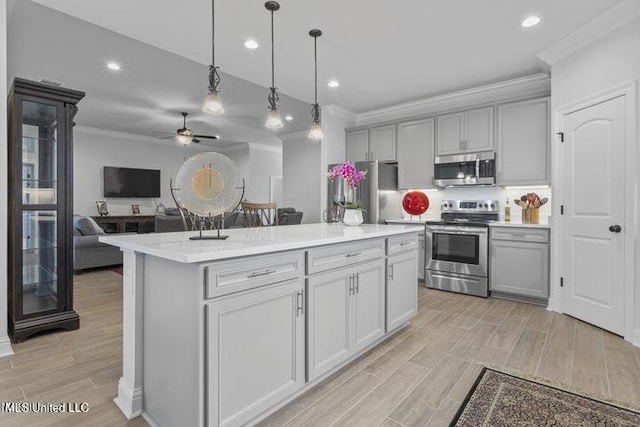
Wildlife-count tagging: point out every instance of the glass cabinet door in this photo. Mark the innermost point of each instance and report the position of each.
(39, 187)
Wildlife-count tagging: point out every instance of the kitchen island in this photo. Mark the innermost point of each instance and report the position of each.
(222, 333)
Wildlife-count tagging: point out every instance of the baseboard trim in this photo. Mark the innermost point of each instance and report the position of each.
(129, 400)
(5, 346)
(634, 338)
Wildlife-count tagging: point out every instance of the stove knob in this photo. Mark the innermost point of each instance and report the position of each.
(480, 205)
(493, 206)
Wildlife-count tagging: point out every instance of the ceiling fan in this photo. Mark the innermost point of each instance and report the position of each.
(186, 135)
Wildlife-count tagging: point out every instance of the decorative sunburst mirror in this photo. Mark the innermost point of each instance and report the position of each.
(208, 184)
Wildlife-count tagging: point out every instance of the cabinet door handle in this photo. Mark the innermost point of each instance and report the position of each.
(351, 284)
(390, 271)
(300, 303)
(260, 273)
(357, 290)
(352, 254)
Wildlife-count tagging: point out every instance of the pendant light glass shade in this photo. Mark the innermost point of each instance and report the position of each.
(315, 132)
(213, 104)
(213, 101)
(273, 120)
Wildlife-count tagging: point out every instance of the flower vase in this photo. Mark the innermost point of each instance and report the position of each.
(352, 217)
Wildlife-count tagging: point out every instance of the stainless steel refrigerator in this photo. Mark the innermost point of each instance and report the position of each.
(378, 193)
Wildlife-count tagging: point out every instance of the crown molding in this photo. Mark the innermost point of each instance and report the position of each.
(341, 112)
(523, 87)
(611, 20)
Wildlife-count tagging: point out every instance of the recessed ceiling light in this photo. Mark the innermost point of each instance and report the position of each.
(334, 83)
(113, 66)
(251, 44)
(531, 21)
(288, 118)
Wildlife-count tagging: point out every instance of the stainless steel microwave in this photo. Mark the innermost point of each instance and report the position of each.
(473, 169)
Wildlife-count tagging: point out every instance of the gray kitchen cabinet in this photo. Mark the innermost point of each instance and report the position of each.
(465, 132)
(382, 143)
(268, 322)
(519, 266)
(421, 257)
(524, 143)
(357, 145)
(377, 143)
(402, 288)
(416, 154)
(450, 134)
(345, 314)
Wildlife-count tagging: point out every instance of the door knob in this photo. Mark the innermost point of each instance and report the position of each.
(615, 228)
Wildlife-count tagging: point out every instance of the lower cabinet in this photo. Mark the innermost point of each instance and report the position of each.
(345, 314)
(402, 289)
(520, 268)
(255, 351)
(421, 257)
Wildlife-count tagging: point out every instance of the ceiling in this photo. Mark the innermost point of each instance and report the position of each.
(383, 53)
(150, 90)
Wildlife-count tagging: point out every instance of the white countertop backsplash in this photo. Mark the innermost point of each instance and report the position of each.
(484, 193)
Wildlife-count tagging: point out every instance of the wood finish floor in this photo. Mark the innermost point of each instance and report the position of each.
(418, 377)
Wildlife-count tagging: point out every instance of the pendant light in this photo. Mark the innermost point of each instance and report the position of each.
(315, 132)
(213, 102)
(273, 119)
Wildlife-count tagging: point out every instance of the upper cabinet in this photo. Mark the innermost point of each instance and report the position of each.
(524, 144)
(465, 132)
(416, 154)
(378, 143)
(357, 145)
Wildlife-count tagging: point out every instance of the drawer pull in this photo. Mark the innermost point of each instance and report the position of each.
(406, 243)
(352, 254)
(260, 273)
(519, 235)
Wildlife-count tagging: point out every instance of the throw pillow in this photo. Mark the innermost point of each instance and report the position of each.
(84, 225)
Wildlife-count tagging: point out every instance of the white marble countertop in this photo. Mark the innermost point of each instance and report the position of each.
(249, 241)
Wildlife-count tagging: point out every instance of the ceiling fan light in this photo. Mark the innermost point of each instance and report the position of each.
(273, 120)
(213, 104)
(184, 139)
(315, 132)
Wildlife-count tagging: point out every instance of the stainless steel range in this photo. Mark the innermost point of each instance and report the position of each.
(457, 247)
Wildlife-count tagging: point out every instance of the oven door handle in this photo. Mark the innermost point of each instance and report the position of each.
(478, 168)
(459, 230)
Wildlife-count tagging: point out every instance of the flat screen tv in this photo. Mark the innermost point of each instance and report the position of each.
(127, 182)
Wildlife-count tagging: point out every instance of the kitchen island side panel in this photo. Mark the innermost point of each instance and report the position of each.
(173, 343)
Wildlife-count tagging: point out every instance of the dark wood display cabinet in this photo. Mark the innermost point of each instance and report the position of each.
(41, 208)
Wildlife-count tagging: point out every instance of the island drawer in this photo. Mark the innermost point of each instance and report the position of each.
(403, 243)
(336, 256)
(228, 277)
(521, 234)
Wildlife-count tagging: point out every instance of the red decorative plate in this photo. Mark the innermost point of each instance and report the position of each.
(415, 203)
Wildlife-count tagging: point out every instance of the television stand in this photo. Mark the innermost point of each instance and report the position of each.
(112, 224)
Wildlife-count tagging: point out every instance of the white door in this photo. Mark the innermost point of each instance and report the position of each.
(478, 130)
(594, 206)
(449, 134)
(415, 154)
(255, 350)
(402, 289)
(382, 143)
(368, 312)
(328, 321)
(357, 145)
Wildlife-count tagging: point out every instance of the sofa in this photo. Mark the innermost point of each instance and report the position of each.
(88, 252)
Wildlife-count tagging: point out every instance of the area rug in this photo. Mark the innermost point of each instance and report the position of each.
(498, 399)
(117, 270)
